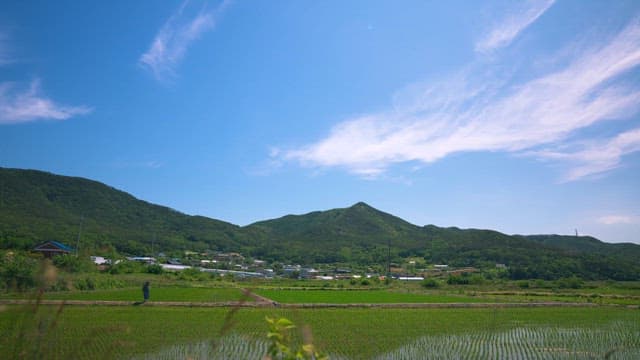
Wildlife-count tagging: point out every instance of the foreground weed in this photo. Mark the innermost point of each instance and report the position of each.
(280, 344)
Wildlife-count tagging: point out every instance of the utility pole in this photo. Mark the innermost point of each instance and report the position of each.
(389, 257)
(79, 233)
(576, 232)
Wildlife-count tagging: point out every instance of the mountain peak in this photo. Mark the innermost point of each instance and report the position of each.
(361, 204)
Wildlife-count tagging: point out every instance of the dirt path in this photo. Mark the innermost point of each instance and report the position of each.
(268, 303)
(259, 299)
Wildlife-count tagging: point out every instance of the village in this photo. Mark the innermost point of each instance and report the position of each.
(241, 267)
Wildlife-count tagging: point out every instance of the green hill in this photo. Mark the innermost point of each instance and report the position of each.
(586, 245)
(361, 234)
(36, 206)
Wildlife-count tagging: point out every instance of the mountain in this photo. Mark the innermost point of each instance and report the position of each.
(361, 234)
(587, 245)
(36, 206)
(358, 233)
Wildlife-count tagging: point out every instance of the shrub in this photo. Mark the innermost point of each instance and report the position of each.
(91, 283)
(60, 284)
(476, 279)
(18, 271)
(126, 267)
(192, 274)
(457, 280)
(155, 269)
(573, 282)
(86, 283)
(73, 263)
(430, 283)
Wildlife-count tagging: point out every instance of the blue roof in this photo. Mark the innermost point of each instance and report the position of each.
(62, 246)
(57, 244)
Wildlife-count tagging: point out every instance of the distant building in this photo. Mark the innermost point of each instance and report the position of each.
(142, 259)
(324, 277)
(99, 260)
(309, 273)
(52, 248)
(268, 273)
(228, 257)
(174, 267)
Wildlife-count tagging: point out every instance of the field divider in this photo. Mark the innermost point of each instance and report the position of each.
(132, 303)
(262, 304)
(438, 305)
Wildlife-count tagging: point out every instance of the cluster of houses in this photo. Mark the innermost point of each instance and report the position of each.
(232, 263)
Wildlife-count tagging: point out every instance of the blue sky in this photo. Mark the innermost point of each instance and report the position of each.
(517, 116)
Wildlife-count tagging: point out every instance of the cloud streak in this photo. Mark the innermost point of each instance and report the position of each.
(174, 38)
(595, 157)
(26, 105)
(618, 219)
(513, 24)
(470, 112)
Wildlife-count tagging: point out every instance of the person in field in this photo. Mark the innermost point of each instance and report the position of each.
(145, 291)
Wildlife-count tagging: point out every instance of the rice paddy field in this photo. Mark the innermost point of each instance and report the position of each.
(190, 294)
(363, 296)
(141, 332)
(607, 329)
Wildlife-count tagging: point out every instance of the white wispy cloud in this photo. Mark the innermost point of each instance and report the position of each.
(618, 219)
(25, 105)
(471, 112)
(174, 38)
(513, 24)
(594, 157)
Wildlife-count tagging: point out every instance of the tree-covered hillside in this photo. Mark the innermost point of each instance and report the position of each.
(361, 234)
(36, 206)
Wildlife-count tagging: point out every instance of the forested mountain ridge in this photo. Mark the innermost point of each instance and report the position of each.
(37, 206)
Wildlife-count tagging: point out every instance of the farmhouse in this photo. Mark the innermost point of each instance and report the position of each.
(99, 260)
(52, 248)
(142, 259)
(228, 257)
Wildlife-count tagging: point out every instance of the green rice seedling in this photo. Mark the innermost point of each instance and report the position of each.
(619, 340)
(233, 346)
(361, 297)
